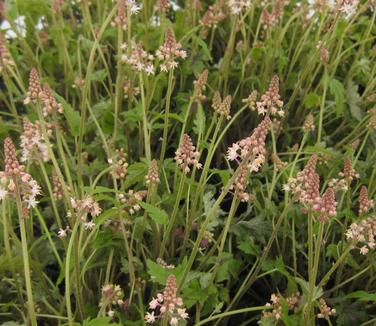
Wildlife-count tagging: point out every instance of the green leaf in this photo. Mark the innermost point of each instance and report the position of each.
(158, 215)
(338, 91)
(73, 117)
(311, 100)
(353, 100)
(99, 75)
(362, 295)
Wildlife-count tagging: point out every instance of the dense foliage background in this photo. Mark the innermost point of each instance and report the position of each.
(188, 162)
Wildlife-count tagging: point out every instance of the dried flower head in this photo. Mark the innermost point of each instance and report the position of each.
(170, 51)
(270, 19)
(33, 143)
(271, 102)
(168, 305)
(153, 175)
(34, 92)
(186, 156)
(365, 204)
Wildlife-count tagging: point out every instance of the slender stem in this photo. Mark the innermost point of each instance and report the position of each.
(25, 258)
(167, 113)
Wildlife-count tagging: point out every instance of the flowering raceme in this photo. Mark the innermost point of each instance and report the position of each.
(15, 181)
(186, 155)
(33, 143)
(169, 52)
(168, 304)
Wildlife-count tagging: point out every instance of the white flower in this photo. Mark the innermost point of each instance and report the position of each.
(153, 303)
(174, 321)
(150, 318)
(149, 69)
(182, 313)
(89, 225)
(63, 233)
(232, 152)
(364, 250)
(3, 193)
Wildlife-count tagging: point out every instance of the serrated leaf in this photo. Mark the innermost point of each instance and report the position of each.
(311, 100)
(158, 215)
(353, 100)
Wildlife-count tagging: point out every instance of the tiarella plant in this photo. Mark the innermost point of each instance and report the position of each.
(187, 162)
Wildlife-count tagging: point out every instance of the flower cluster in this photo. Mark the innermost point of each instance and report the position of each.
(49, 102)
(363, 234)
(222, 107)
(85, 206)
(326, 206)
(130, 89)
(168, 305)
(5, 57)
(35, 91)
(14, 181)
(56, 6)
(200, 86)
(365, 204)
(112, 295)
(325, 310)
(170, 51)
(119, 165)
(33, 143)
(278, 163)
(162, 6)
(345, 177)
(270, 19)
(138, 59)
(238, 6)
(251, 148)
(132, 199)
(250, 101)
(153, 175)
(271, 101)
(276, 303)
(309, 124)
(213, 15)
(240, 184)
(57, 188)
(162, 263)
(186, 155)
